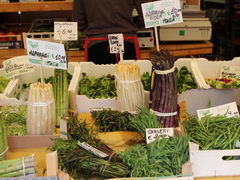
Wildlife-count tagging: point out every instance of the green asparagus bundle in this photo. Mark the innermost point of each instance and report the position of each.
(18, 167)
(3, 138)
(80, 163)
(60, 91)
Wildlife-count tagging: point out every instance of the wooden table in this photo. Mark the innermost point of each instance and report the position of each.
(177, 49)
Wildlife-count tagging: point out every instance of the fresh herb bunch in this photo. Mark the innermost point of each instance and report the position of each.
(79, 162)
(79, 131)
(221, 83)
(15, 118)
(213, 132)
(146, 81)
(3, 83)
(162, 157)
(109, 120)
(103, 87)
(144, 119)
(185, 80)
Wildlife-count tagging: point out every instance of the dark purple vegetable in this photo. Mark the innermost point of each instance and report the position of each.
(164, 88)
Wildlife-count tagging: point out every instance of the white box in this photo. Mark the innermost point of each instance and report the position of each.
(14, 86)
(84, 104)
(203, 98)
(210, 163)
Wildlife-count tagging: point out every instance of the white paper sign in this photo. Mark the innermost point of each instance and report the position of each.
(153, 133)
(45, 53)
(116, 43)
(230, 72)
(65, 31)
(161, 13)
(92, 149)
(17, 66)
(230, 110)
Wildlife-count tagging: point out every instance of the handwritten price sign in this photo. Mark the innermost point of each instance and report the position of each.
(47, 54)
(161, 13)
(116, 43)
(65, 31)
(153, 133)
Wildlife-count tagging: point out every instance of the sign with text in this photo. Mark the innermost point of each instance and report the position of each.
(161, 13)
(92, 149)
(230, 72)
(65, 31)
(116, 43)
(230, 110)
(153, 133)
(47, 54)
(17, 66)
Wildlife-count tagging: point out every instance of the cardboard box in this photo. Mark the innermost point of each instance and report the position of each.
(15, 85)
(210, 163)
(203, 98)
(81, 102)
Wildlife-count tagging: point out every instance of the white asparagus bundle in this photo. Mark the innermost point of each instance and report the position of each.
(130, 92)
(41, 117)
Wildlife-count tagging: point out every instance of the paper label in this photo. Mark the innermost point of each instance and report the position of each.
(153, 133)
(116, 43)
(161, 13)
(93, 150)
(47, 54)
(65, 31)
(230, 72)
(63, 129)
(230, 110)
(16, 66)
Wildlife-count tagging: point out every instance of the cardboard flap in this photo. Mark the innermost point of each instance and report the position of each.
(211, 163)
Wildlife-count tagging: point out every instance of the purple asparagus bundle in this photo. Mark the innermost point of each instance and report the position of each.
(164, 89)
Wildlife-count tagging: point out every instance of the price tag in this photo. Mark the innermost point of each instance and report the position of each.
(230, 110)
(116, 43)
(17, 66)
(153, 133)
(65, 31)
(230, 72)
(93, 150)
(47, 54)
(161, 13)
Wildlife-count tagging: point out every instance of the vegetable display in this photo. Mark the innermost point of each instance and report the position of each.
(213, 132)
(108, 120)
(60, 92)
(185, 80)
(102, 87)
(146, 81)
(221, 83)
(3, 83)
(41, 118)
(164, 88)
(162, 157)
(130, 92)
(3, 139)
(79, 131)
(80, 163)
(24, 166)
(15, 118)
(144, 119)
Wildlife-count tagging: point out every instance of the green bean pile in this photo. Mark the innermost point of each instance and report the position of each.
(109, 120)
(163, 157)
(80, 163)
(213, 132)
